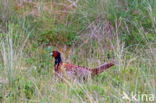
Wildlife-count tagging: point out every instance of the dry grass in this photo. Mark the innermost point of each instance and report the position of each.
(26, 69)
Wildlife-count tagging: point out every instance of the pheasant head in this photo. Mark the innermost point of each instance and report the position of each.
(57, 56)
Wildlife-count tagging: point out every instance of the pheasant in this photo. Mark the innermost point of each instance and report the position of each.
(76, 71)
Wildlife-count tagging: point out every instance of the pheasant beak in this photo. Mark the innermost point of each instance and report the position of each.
(51, 54)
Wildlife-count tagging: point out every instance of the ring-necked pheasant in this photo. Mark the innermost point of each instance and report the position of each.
(76, 71)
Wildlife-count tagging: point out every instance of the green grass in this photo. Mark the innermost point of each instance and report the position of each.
(93, 32)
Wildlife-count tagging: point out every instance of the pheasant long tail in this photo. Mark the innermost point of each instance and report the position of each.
(101, 68)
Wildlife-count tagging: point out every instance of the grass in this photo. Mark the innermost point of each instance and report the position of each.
(88, 34)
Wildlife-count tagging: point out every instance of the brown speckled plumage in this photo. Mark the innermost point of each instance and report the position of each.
(76, 71)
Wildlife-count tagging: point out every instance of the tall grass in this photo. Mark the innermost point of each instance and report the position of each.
(88, 34)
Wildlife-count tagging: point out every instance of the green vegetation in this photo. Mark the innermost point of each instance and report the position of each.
(88, 33)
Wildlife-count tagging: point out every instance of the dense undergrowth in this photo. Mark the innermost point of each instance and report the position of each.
(87, 33)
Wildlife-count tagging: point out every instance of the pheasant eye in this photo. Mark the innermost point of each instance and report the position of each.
(54, 54)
